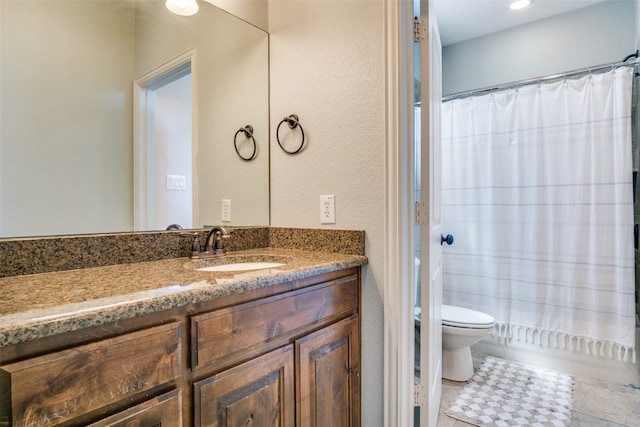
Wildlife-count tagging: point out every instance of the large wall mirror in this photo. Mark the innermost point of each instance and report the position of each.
(117, 115)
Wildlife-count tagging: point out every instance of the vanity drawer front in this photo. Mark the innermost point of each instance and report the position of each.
(164, 410)
(234, 334)
(54, 388)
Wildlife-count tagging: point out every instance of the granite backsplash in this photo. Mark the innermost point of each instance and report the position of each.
(21, 256)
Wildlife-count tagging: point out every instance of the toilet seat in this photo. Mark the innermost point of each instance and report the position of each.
(460, 317)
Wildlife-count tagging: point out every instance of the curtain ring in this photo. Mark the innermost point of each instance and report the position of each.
(248, 133)
(293, 122)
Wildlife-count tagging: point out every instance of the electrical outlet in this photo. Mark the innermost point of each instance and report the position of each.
(226, 210)
(327, 209)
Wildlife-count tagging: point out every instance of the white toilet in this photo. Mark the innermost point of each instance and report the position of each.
(461, 328)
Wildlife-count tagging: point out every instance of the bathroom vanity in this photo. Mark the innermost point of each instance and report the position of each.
(163, 344)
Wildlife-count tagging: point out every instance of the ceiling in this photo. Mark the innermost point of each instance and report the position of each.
(461, 20)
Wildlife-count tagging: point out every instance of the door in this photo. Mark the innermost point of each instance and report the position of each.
(428, 217)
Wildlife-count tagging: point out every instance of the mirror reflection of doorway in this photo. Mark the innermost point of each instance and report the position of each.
(164, 180)
(173, 158)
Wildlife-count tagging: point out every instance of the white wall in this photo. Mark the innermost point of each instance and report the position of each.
(599, 34)
(327, 66)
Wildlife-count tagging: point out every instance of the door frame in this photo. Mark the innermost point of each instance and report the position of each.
(400, 392)
(143, 150)
(399, 217)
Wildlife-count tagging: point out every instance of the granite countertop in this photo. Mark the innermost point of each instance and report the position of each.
(40, 305)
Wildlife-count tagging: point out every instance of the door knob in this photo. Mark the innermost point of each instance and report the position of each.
(448, 239)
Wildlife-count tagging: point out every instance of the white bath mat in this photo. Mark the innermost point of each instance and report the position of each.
(504, 393)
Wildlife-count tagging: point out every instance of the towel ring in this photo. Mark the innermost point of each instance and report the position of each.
(248, 133)
(293, 122)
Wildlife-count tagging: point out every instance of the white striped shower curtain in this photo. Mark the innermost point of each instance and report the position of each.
(537, 190)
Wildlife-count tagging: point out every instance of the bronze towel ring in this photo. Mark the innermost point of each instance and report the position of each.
(248, 133)
(293, 122)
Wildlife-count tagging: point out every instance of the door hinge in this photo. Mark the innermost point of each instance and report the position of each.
(420, 30)
(418, 394)
(422, 214)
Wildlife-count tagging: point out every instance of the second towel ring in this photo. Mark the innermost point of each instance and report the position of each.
(248, 133)
(293, 122)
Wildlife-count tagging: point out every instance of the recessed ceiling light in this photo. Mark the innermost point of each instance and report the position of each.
(519, 4)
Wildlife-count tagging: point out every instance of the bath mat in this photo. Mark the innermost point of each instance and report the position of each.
(504, 393)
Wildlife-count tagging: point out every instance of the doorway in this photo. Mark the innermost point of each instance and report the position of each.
(164, 178)
(172, 163)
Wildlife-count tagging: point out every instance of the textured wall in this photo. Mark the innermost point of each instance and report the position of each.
(327, 66)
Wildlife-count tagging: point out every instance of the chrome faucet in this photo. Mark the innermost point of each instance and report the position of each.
(214, 245)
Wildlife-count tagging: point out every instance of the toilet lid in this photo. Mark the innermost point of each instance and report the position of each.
(465, 318)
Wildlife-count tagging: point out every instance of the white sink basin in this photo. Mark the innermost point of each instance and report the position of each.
(240, 262)
(241, 266)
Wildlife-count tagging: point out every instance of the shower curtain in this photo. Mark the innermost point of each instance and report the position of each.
(537, 190)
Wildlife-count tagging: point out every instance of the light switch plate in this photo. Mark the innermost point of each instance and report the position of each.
(176, 182)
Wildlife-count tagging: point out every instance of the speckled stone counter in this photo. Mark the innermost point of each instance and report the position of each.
(39, 305)
(35, 255)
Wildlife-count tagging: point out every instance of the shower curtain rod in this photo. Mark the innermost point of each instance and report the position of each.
(542, 79)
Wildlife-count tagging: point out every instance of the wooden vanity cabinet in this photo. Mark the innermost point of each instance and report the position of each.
(311, 377)
(288, 355)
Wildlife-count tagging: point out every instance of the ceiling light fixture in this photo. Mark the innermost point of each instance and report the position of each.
(519, 4)
(182, 7)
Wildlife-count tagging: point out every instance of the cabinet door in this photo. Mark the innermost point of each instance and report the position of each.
(258, 393)
(328, 381)
(163, 411)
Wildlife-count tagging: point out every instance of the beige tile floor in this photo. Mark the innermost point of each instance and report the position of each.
(595, 403)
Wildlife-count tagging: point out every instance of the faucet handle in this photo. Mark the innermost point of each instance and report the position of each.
(196, 245)
(218, 246)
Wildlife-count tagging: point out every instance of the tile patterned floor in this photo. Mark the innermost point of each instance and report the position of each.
(595, 403)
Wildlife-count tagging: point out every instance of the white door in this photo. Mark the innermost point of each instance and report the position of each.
(430, 388)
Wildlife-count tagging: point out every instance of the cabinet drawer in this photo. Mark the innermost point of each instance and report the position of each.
(237, 333)
(163, 411)
(52, 389)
